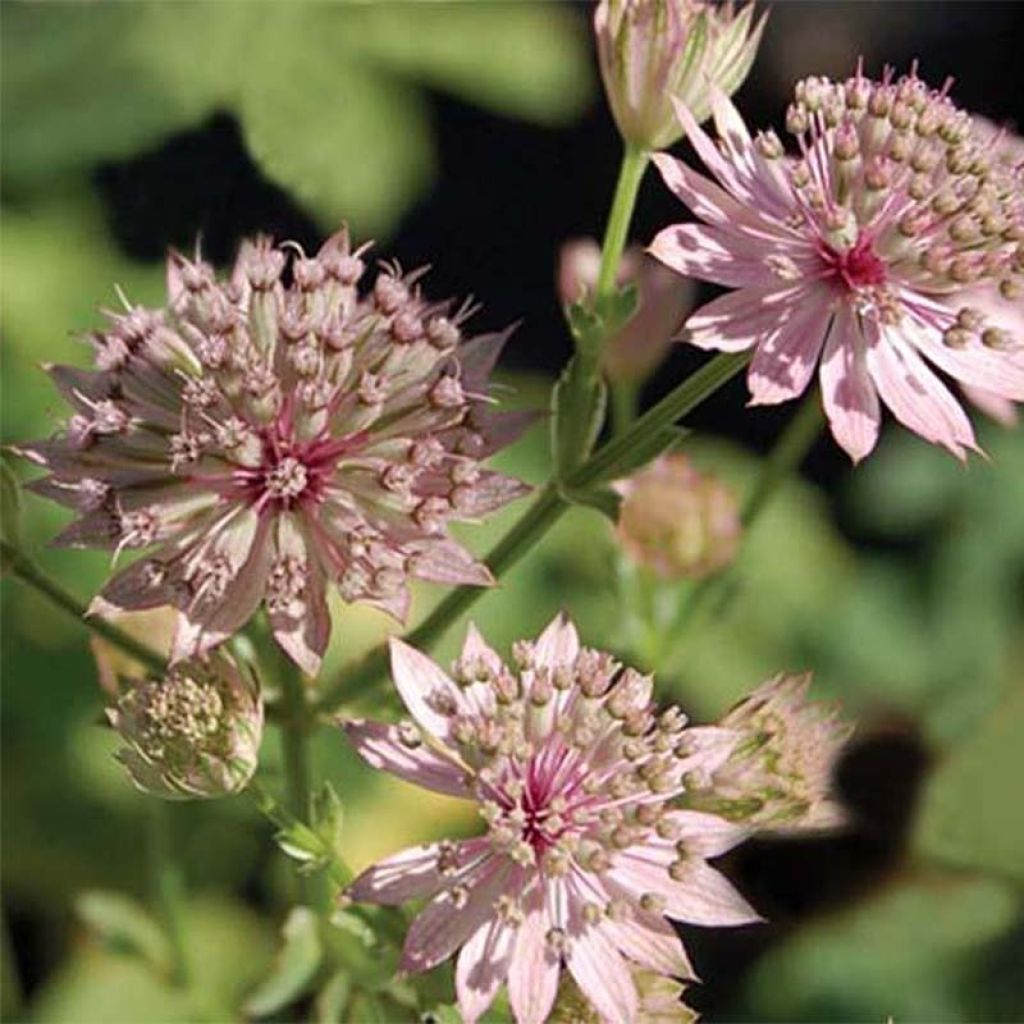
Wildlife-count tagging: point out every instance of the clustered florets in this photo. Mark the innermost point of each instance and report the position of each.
(276, 432)
(580, 781)
(194, 733)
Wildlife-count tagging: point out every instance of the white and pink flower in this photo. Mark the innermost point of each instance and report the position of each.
(585, 856)
(859, 257)
(275, 433)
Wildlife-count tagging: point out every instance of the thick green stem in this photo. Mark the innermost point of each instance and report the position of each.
(624, 399)
(547, 508)
(168, 883)
(31, 574)
(631, 173)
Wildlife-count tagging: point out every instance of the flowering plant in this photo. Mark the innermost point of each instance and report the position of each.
(274, 452)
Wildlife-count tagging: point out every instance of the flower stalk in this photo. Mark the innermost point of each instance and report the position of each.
(631, 173)
(168, 883)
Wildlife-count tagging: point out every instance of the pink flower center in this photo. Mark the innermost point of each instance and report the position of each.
(859, 267)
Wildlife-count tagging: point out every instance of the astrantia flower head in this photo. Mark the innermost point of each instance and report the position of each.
(677, 521)
(276, 432)
(857, 254)
(584, 855)
(654, 51)
(779, 774)
(194, 734)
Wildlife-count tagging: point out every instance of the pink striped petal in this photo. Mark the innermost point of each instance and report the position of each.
(652, 943)
(482, 967)
(784, 363)
(744, 318)
(446, 923)
(381, 747)
(412, 874)
(705, 897)
(424, 689)
(1002, 410)
(602, 975)
(709, 254)
(917, 398)
(849, 396)
(533, 973)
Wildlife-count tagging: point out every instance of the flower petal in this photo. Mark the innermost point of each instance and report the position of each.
(707, 835)
(446, 924)
(413, 874)
(381, 747)
(652, 943)
(784, 363)
(424, 688)
(533, 973)
(482, 967)
(705, 897)
(602, 975)
(744, 318)
(558, 644)
(710, 254)
(849, 396)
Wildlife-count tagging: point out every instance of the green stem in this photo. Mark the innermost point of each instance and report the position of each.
(294, 724)
(19, 565)
(607, 463)
(168, 883)
(625, 395)
(631, 173)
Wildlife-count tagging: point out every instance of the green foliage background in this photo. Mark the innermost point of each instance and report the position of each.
(919, 631)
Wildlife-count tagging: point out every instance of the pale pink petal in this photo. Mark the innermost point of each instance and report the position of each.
(445, 561)
(744, 318)
(302, 627)
(491, 491)
(476, 649)
(424, 688)
(558, 644)
(709, 254)
(707, 835)
(482, 967)
(784, 363)
(602, 975)
(849, 396)
(1002, 410)
(413, 874)
(705, 897)
(446, 923)
(917, 398)
(381, 747)
(533, 973)
(652, 943)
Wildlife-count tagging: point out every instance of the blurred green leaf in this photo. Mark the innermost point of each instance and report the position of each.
(970, 813)
(125, 926)
(295, 967)
(331, 1000)
(329, 816)
(905, 954)
(578, 403)
(10, 509)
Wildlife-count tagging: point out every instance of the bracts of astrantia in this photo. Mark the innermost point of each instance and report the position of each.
(270, 434)
(576, 775)
(860, 254)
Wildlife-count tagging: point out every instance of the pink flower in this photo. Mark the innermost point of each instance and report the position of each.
(276, 432)
(584, 855)
(852, 255)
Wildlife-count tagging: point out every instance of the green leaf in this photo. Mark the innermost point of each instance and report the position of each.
(441, 1015)
(578, 407)
(329, 817)
(124, 926)
(615, 311)
(10, 509)
(354, 925)
(330, 1003)
(970, 811)
(295, 967)
(604, 499)
(645, 451)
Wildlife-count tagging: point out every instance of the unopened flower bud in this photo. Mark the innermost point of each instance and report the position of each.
(194, 734)
(677, 521)
(654, 51)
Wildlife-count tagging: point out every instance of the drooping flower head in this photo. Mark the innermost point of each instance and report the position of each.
(636, 350)
(779, 774)
(193, 734)
(654, 51)
(677, 521)
(275, 432)
(856, 254)
(584, 855)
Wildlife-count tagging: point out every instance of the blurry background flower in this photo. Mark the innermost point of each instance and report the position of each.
(677, 521)
(900, 584)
